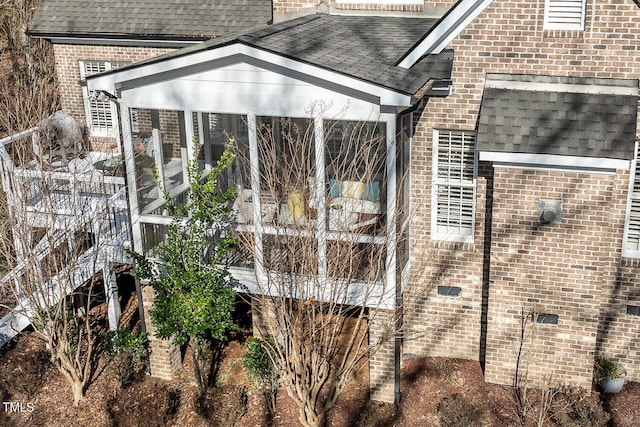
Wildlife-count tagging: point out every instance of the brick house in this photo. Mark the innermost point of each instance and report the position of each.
(517, 126)
(109, 35)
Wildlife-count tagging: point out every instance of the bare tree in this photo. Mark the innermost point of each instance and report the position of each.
(28, 91)
(65, 222)
(321, 258)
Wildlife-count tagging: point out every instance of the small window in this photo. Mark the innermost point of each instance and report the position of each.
(633, 310)
(564, 14)
(449, 291)
(101, 113)
(454, 185)
(547, 319)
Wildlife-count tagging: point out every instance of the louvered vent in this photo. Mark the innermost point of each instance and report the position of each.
(564, 14)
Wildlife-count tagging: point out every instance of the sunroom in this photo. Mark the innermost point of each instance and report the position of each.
(321, 129)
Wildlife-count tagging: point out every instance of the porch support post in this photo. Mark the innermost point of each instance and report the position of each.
(132, 184)
(255, 187)
(204, 138)
(187, 153)
(164, 358)
(320, 197)
(111, 293)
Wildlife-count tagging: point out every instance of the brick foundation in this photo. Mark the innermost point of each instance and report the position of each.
(164, 358)
(382, 359)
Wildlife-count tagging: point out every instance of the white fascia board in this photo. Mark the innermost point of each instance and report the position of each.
(577, 163)
(560, 87)
(446, 30)
(113, 81)
(390, 2)
(123, 42)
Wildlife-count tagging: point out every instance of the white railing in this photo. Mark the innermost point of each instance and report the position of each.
(64, 203)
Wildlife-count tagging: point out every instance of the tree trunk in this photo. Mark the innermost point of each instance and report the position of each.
(78, 392)
(309, 418)
(197, 356)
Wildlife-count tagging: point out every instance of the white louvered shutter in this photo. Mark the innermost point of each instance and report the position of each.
(564, 14)
(633, 227)
(100, 113)
(455, 185)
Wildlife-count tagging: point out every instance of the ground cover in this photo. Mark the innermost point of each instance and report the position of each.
(436, 392)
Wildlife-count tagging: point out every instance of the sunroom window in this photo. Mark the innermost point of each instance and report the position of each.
(453, 199)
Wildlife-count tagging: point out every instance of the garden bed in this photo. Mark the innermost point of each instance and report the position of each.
(435, 391)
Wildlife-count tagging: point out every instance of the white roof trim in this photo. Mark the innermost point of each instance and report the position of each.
(446, 30)
(122, 42)
(577, 163)
(394, 2)
(560, 87)
(113, 81)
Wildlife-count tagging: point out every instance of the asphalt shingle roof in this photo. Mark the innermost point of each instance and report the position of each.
(364, 47)
(148, 18)
(566, 122)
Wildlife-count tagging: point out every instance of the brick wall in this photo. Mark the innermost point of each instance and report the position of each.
(508, 38)
(563, 268)
(382, 360)
(618, 331)
(437, 325)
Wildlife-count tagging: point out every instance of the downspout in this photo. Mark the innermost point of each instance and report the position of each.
(398, 321)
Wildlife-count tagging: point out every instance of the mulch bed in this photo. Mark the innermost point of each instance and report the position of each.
(435, 392)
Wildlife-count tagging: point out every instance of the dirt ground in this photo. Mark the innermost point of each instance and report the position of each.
(435, 392)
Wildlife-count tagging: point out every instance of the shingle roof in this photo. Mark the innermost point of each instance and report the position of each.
(567, 118)
(364, 47)
(148, 18)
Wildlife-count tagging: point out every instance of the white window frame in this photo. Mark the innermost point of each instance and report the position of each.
(107, 125)
(453, 233)
(564, 14)
(632, 216)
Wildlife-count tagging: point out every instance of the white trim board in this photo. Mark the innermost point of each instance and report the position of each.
(243, 87)
(449, 27)
(559, 87)
(175, 44)
(553, 161)
(112, 81)
(392, 2)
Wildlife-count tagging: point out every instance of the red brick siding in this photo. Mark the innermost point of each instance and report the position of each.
(561, 268)
(508, 38)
